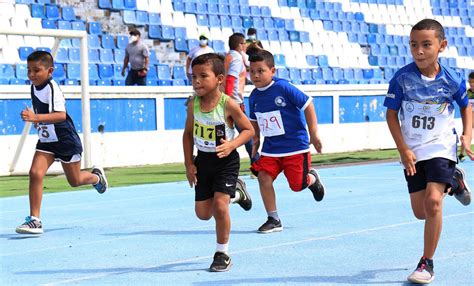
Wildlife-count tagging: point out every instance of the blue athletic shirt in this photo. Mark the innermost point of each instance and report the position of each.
(279, 111)
(59, 138)
(427, 110)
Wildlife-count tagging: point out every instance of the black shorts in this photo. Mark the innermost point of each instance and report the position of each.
(216, 174)
(438, 170)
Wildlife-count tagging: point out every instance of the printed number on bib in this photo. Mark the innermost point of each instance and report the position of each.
(270, 123)
(47, 133)
(208, 135)
(423, 122)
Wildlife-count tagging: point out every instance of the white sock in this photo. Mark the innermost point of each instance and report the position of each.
(224, 248)
(236, 198)
(34, 218)
(98, 179)
(312, 179)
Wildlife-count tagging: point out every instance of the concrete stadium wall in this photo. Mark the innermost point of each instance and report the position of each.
(143, 125)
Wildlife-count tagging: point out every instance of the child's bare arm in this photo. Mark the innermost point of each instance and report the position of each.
(246, 130)
(466, 137)
(312, 121)
(188, 146)
(256, 138)
(406, 154)
(29, 115)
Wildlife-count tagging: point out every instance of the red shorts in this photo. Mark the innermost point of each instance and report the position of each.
(295, 168)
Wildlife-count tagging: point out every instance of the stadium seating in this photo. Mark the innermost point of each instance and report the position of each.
(314, 41)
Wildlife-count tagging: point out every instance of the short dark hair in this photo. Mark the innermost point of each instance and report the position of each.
(44, 57)
(235, 39)
(135, 32)
(251, 31)
(430, 24)
(216, 61)
(263, 55)
(471, 75)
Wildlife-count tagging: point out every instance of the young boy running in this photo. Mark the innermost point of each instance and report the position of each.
(470, 95)
(211, 116)
(421, 96)
(278, 111)
(58, 139)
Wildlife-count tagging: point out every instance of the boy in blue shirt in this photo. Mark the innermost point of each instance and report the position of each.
(423, 93)
(280, 112)
(58, 139)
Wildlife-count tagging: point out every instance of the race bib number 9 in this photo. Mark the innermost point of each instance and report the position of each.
(270, 123)
(47, 133)
(208, 135)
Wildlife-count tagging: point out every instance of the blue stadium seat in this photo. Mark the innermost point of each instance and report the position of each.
(247, 22)
(266, 12)
(106, 71)
(48, 24)
(16, 81)
(317, 74)
(93, 42)
(368, 73)
(393, 50)
(262, 34)
(21, 71)
(337, 73)
(74, 55)
(64, 25)
(130, 4)
(164, 72)
(268, 23)
(236, 22)
(307, 77)
(105, 4)
(201, 8)
(94, 28)
(76, 43)
(118, 71)
(152, 74)
(6, 71)
(104, 82)
(153, 57)
(118, 82)
(78, 25)
(304, 37)
(258, 23)
(179, 82)
(106, 56)
(180, 45)
(255, 11)
(219, 46)
(222, 9)
(279, 60)
(68, 13)
(107, 41)
(24, 52)
(311, 60)
(122, 41)
(62, 56)
(327, 74)
(179, 72)
(373, 61)
(52, 12)
(129, 17)
(348, 74)
(272, 35)
(214, 21)
(180, 32)
(190, 8)
(359, 16)
(202, 20)
(59, 74)
(178, 5)
(37, 11)
(225, 21)
(283, 35)
(117, 5)
(93, 72)
(73, 71)
(45, 49)
(323, 61)
(245, 10)
(154, 19)
(234, 9)
(164, 82)
(289, 24)
(283, 73)
(192, 43)
(94, 56)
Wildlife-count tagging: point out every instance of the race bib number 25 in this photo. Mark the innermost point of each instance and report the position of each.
(47, 133)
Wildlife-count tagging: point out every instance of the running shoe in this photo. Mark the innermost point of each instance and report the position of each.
(271, 225)
(245, 201)
(32, 225)
(462, 193)
(317, 188)
(101, 186)
(221, 263)
(423, 273)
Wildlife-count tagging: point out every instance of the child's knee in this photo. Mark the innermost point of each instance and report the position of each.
(36, 173)
(203, 214)
(221, 209)
(433, 205)
(419, 214)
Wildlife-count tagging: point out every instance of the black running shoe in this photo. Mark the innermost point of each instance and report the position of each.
(245, 201)
(221, 263)
(462, 193)
(101, 186)
(317, 188)
(271, 225)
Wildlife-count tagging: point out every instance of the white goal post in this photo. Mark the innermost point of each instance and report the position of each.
(85, 99)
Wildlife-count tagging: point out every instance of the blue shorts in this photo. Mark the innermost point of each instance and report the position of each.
(437, 170)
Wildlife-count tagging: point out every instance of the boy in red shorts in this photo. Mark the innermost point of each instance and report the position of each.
(280, 112)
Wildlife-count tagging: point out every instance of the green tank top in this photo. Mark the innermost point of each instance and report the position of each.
(210, 127)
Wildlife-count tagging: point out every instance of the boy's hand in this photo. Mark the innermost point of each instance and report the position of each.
(316, 141)
(408, 160)
(28, 115)
(224, 149)
(191, 172)
(466, 143)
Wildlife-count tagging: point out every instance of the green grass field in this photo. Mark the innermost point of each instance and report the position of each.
(18, 185)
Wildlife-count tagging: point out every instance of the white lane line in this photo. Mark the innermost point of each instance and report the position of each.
(256, 249)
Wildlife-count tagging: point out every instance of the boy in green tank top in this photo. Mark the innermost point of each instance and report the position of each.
(214, 172)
